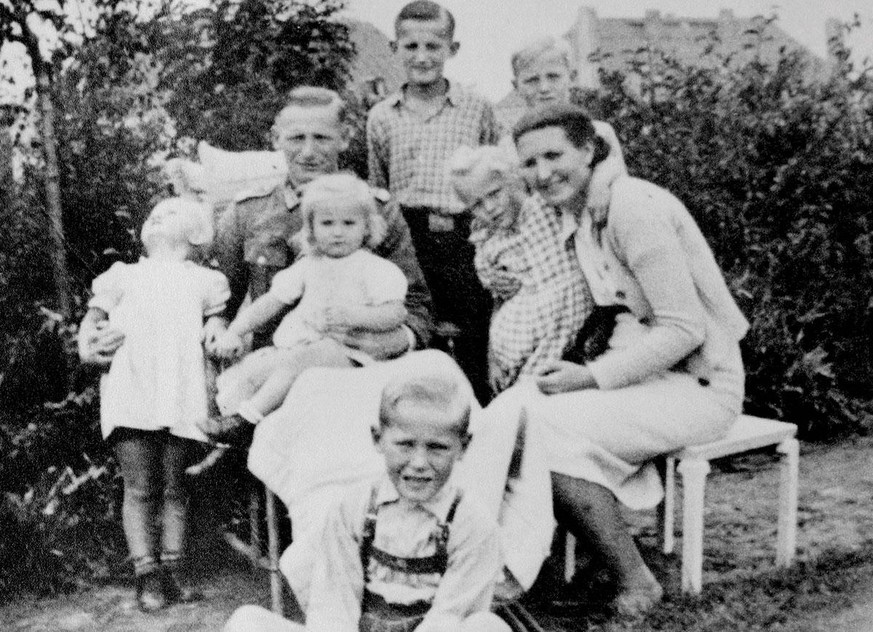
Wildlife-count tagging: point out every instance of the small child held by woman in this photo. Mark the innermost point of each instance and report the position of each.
(518, 238)
(154, 392)
(339, 285)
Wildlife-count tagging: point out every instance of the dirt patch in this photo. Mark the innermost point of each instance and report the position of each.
(835, 514)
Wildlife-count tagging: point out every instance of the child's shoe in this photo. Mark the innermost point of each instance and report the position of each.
(232, 430)
(174, 591)
(150, 594)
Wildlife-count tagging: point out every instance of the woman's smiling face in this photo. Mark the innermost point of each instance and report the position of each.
(554, 167)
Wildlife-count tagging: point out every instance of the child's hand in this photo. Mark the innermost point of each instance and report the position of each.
(504, 284)
(212, 331)
(229, 346)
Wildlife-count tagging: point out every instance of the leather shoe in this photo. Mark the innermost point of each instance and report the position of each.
(150, 592)
(175, 592)
(231, 430)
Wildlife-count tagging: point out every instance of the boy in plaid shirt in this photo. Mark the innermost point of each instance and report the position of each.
(410, 137)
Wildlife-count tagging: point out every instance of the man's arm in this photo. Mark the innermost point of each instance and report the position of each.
(229, 253)
(385, 317)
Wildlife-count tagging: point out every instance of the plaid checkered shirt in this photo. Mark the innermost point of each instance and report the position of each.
(407, 153)
(537, 324)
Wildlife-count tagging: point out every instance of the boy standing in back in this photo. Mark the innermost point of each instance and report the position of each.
(410, 137)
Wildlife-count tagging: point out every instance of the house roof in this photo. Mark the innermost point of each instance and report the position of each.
(610, 43)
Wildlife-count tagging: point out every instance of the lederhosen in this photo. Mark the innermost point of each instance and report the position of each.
(377, 615)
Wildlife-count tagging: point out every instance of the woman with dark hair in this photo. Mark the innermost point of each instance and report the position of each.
(671, 375)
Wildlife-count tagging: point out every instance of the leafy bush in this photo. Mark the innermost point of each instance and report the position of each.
(778, 172)
(125, 98)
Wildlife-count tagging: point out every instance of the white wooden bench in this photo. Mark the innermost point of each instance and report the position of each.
(748, 433)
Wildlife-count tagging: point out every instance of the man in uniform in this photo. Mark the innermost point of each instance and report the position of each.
(254, 236)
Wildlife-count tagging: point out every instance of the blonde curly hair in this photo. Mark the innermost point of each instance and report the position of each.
(341, 189)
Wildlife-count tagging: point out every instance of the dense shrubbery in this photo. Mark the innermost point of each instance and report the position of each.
(128, 96)
(779, 173)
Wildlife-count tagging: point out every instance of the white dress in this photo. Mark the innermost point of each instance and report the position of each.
(360, 278)
(157, 378)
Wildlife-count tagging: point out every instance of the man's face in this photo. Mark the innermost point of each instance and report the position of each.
(312, 139)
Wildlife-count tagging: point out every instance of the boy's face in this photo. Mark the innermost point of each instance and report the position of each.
(420, 447)
(338, 230)
(312, 139)
(547, 79)
(423, 47)
(490, 197)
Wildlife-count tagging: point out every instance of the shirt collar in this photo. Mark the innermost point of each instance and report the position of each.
(452, 95)
(439, 506)
(291, 196)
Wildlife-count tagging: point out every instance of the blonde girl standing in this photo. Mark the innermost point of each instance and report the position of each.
(154, 392)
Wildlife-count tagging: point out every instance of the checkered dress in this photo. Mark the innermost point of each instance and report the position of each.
(536, 325)
(407, 153)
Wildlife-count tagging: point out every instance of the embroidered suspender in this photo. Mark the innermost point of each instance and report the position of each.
(436, 563)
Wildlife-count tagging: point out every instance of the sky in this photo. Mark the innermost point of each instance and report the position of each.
(490, 30)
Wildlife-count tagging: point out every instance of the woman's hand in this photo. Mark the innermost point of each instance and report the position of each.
(563, 376)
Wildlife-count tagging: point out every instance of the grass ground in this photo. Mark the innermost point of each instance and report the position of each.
(829, 589)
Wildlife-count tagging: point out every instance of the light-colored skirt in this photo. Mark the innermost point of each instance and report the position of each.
(610, 437)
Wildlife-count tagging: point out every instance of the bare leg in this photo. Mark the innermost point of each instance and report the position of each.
(594, 514)
(271, 394)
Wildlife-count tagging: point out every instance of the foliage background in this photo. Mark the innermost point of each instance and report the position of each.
(778, 171)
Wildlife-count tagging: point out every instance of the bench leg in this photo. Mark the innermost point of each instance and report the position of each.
(569, 556)
(786, 539)
(667, 508)
(273, 553)
(693, 487)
